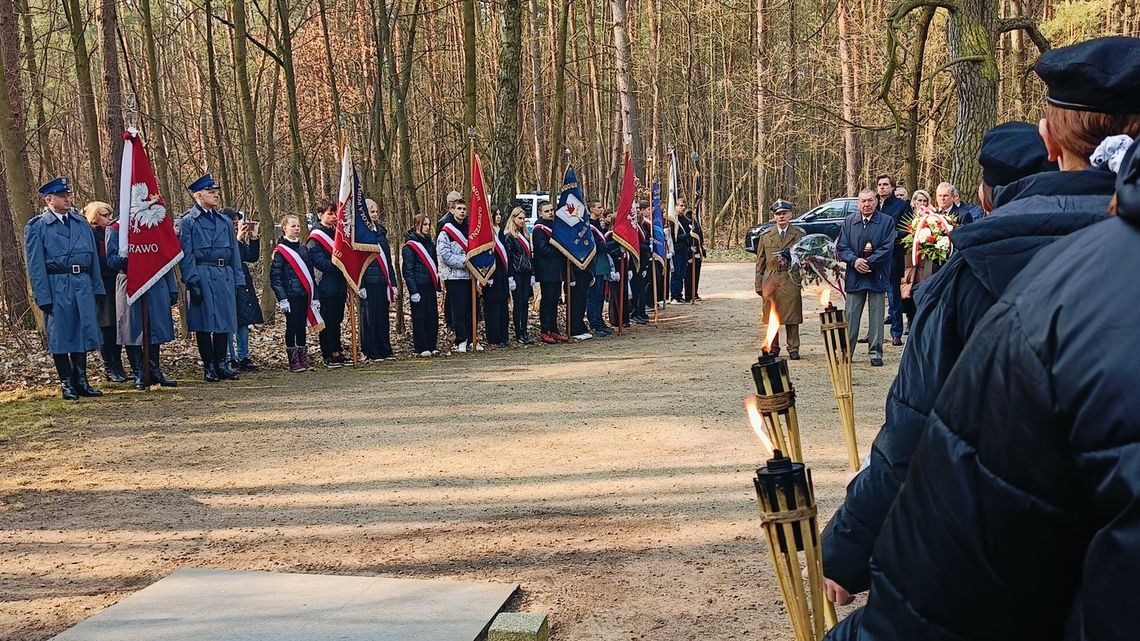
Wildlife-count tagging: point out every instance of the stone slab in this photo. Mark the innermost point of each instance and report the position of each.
(207, 605)
(519, 626)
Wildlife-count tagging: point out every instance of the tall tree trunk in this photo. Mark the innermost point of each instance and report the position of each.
(16, 210)
(540, 160)
(601, 179)
(790, 144)
(559, 118)
(329, 63)
(911, 129)
(297, 169)
(249, 148)
(216, 151)
(156, 135)
(971, 36)
(626, 94)
(36, 86)
(112, 81)
(75, 22)
(469, 78)
(847, 81)
(763, 108)
(505, 143)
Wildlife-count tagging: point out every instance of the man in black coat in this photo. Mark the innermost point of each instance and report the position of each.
(897, 210)
(1029, 214)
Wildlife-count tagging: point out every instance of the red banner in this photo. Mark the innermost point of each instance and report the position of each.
(625, 229)
(350, 257)
(147, 236)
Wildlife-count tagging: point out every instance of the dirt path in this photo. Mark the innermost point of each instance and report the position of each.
(610, 478)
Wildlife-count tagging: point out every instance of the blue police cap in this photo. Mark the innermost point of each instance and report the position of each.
(55, 186)
(203, 183)
(1012, 151)
(1101, 75)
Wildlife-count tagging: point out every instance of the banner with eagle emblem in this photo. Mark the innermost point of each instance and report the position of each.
(148, 241)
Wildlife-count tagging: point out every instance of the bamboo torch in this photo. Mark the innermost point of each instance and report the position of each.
(833, 326)
(775, 397)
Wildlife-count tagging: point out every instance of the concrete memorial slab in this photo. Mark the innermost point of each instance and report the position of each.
(204, 605)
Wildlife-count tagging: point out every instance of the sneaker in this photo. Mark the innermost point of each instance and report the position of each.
(248, 365)
(793, 355)
(333, 364)
(478, 347)
(896, 340)
(503, 345)
(639, 320)
(462, 347)
(876, 362)
(560, 337)
(426, 353)
(674, 301)
(583, 336)
(548, 339)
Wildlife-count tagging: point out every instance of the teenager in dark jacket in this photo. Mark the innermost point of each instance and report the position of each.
(641, 283)
(377, 291)
(549, 265)
(291, 277)
(421, 280)
(603, 271)
(332, 289)
(1028, 215)
(248, 307)
(497, 293)
(520, 252)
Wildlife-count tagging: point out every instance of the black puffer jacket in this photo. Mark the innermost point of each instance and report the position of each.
(417, 275)
(1031, 213)
(549, 263)
(1020, 517)
(281, 275)
(520, 258)
(373, 277)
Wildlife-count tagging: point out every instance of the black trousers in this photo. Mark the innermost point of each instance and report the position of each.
(577, 309)
(375, 330)
(639, 283)
(496, 316)
(425, 322)
(459, 306)
(548, 306)
(619, 300)
(332, 310)
(693, 282)
(212, 347)
(521, 301)
(296, 321)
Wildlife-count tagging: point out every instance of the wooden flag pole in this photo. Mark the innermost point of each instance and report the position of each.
(147, 374)
(623, 282)
(352, 320)
(474, 315)
(474, 343)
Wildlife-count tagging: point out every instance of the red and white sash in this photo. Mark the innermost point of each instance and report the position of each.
(302, 271)
(426, 259)
(382, 258)
(601, 238)
(525, 244)
(456, 235)
(544, 229)
(322, 237)
(501, 250)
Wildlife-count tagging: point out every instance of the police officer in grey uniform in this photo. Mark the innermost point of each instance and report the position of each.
(63, 267)
(211, 269)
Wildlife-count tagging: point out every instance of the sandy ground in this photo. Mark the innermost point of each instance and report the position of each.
(610, 478)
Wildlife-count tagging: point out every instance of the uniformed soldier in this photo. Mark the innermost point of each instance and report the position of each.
(211, 269)
(63, 267)
(773, 258)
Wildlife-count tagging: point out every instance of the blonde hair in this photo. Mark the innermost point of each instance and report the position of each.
(285, 220)
(511, 228)
(91, 210)
(920, 192)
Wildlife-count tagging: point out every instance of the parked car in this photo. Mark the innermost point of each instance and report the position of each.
(530, 203)
(824, 219)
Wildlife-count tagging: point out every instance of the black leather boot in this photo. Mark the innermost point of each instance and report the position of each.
(113, 363)
(79, 376)
(134, 356)
(210, 372)
(156, 374)
(63, 368)
(224, 371)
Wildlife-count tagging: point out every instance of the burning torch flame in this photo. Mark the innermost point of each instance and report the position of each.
(771, 331)
(756, 421)
(825, 296)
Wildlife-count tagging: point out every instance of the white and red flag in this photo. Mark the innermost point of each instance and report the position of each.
(147, 237)
(355, 244)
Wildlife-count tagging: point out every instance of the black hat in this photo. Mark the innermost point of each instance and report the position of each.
(1128, 185)
(1012, 151)
(55, 186)
(1101, 75)
(780, 205)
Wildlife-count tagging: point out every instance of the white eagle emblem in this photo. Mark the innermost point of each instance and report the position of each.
(146, 211)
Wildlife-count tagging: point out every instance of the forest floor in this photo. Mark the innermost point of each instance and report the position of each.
(611, 478)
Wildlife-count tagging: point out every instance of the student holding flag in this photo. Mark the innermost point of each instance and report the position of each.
(549, 267)
(602, 270)
(572, 235)
(682, 255)
(627, 259)
(376, 293)
(291, 276)
(421, 279)
(451, 247)
(332, 290)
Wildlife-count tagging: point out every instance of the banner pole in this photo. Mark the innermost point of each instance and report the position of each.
(569, 294)
(622, 282)
(474, 316)
(352, 321)
(147, 374)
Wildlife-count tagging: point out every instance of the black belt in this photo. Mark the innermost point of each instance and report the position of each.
(69, 269)
(220, 262)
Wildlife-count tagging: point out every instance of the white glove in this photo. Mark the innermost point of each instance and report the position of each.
(573, 283)
(532, 281)
(416, 298)
(317, 305)
(629, 275)
(511, 283)
(283, 305)
(490, 281)
(668, 255)
(363, 293)
(613, 277)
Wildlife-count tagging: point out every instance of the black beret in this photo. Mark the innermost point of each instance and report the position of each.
(1101, 75)
(1012, 151)
(1128, 185)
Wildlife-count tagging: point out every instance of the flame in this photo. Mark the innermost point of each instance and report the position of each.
(772, 330)
(756, 422)
(825, 296)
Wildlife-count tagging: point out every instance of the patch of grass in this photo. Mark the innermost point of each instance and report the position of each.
(733, 255)
(26, 414)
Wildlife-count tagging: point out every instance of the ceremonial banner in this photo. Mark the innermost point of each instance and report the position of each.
(147, 238)
(571, 234)
(625, 228)
(659, 249)
(672, 210)
(355, 244)
(481, 234)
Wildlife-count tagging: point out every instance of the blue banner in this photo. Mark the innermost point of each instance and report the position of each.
(571, 232)
(658, 225)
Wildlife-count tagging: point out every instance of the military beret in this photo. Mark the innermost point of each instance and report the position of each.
(1101, 75)
(202, 184)
(55, 186)
(1012, 151)
(1128, 185)
(780, 205)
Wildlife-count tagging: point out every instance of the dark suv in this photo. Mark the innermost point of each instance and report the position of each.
(824, 219)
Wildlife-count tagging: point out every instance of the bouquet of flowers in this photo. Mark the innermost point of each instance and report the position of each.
(814, 260)
(928, 235)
